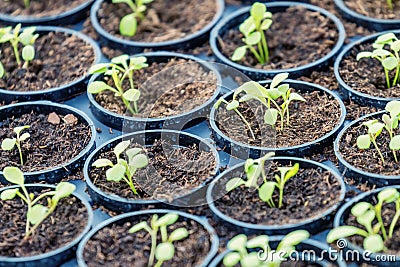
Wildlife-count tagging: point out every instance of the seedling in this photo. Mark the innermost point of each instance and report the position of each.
(370, 217)
(389, 60)
(128, 24)
(374, 130)
(390, 4)
(165, 250)
(123, 170)
(120, 69)
(254, 169)
(254, 37)
(36, 213)
(27, 3)
(10, 143)
(256, 252)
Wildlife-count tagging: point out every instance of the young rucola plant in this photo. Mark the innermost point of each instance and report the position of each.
(390, 4)
(36, 212)
(390, 122)
(254, 169)
(15, 37)
(165, 250)
(128, 24)
(254, 37)
(239, 247)
(370, 217)
(389, 60)
(276, 99)
(120, 69)
(123, 170)
(10, 143)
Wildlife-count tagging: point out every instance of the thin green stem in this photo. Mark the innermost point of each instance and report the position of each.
(16, 52)
(395, 156)
(42, 196)
(153, 247)
(387, 78)
(261, 52)
(396, 77)
(377, 149)
(245, 122)
(130, 183)
(378, 210)
(265, 45)
(280, 196)
(164, 234)
(18, 143)
(255, 54)
(159, 263)
(50, 211)
(395, 219)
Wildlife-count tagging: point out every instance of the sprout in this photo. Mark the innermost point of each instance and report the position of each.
(374, 130)
(36, 213)
(10, 143)
(390, 4)
(165, 250)
(27, 3)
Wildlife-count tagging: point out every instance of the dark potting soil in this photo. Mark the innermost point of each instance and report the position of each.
(38, 8)
(306, 195)
(313, 119)
(182, 19)
(375, 9)
(60, 59)
(167, 89)
(114, 246)
(368, 159)
(59, 229)
(367, 75)
(172, 171)
(49, 144)
(297, 37)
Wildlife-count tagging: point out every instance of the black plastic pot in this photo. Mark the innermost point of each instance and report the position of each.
(146, 138)
(55, 174)
(362, 176)
(314, 225)
(303, 250)
(176, 122)
(346, 90)
(374, 24)
(120, 219)
(364, 257)
(236, 18)
(62, 92)
(55, 257)
(65, 18)
(244, 151)
(133, 47)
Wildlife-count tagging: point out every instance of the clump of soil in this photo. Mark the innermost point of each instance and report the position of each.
(375, 9)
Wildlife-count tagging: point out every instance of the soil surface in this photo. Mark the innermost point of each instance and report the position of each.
(114, 246)
(60, 59)
(158, 25)
(49, 144)
(375, 9)
(172, 171)
(167, 89)
(359, 157)
(306, 195)
(320, 113)
(62, 227)
(367, 75)
(297, 37)
(38, 8)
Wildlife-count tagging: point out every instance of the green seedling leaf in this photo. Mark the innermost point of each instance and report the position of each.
(343, 232)
(266, 191)
(36, 214)
(237, 243)
(393, 107)
(257, 11)
(231, 259)
(248, 164)
(128, 25)
(363, 141)
(360, 208)
(6, 38)
(292, 171)
(178, 234)
(258, 242)
(250, 260)
(138, 60)
(99, 86)
(100, 163)
(234, 183)
(24, 136)
(239, 53)
(19, 129)
(366, 218)
(165, 251)
(388, 195)
(116, 173)
(132, 95)
(28, 53)
(63, 189)
(247, 26)
(122, 59)
(374, 243)
(232, 105)
(283, 88)
(381, 53)
(294, 238)
(138, 227)
(385, 38)
(133, 152)
(274, 93)
(278, 79)
(395, 46)
(13, 175)
(271, 116)
(296, 96)
(9, 194)
(253, 38)
(395, 143)
(364, 55)
(390, 63)
(266, 24)
(99, 68)
(376, 128)
(121, 147)
(8, 144)
(167, 219)
(139, 161)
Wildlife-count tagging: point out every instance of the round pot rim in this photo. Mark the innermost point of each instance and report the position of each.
(314, 86)
(347, 164)
(214, 240)
(97, 58)
(354, 200)
(341, 5)
(99, 29)
(34, 19)
(346, 49)
(158, 54)
(338, 45)
(83, 116)
(263, 227)
(60, 249)
(120, 199)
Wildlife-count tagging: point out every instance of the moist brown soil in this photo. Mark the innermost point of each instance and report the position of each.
(320, 114)
(60, 59)
(367, 75)
(167, 89)
(48, 146)
(306, 195)
(375, 9)
(114, 246)
(182, 19)
(38, 8)
(297, 37)
(59, 229)
(172, 171)
(368, 160)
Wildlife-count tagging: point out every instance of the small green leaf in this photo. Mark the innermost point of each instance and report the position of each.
(266, 24)
(19, 129)
(28, 53)
(36, 214)
(253, 38)
(99, 68)
(234, 183)
(9, 194)
(178, 234)
(395, 46)
(388, 195)
(121, 147)
(165, 251)
(139, 161)
(138, 227)
(248, 163)
(239, 53)
(390, 63)
(231, 259)
(381, 53)
(260, 241)
(363, 55)
(116, 173)
(128, 25)
(122, 59)
(250, 260)
(131, 152)
(294, 238)
(360, 208)
(271, 116)
(393, 107)
(14, 175)
(8, 143)
(232, 105)
(376, 128)
(167, 219)
(24, 136)
(366, 218)
(64, 189)
(257, 11)
(248, 26)
(237, 243)
(292, 171)
(132, 95)
(384, 38)
(344, 231)
(296, 96)
(278, 79)
(99, 163)
(395, 143)
(266, 191)
(374, 243)
(98, 86)
(363, 141)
